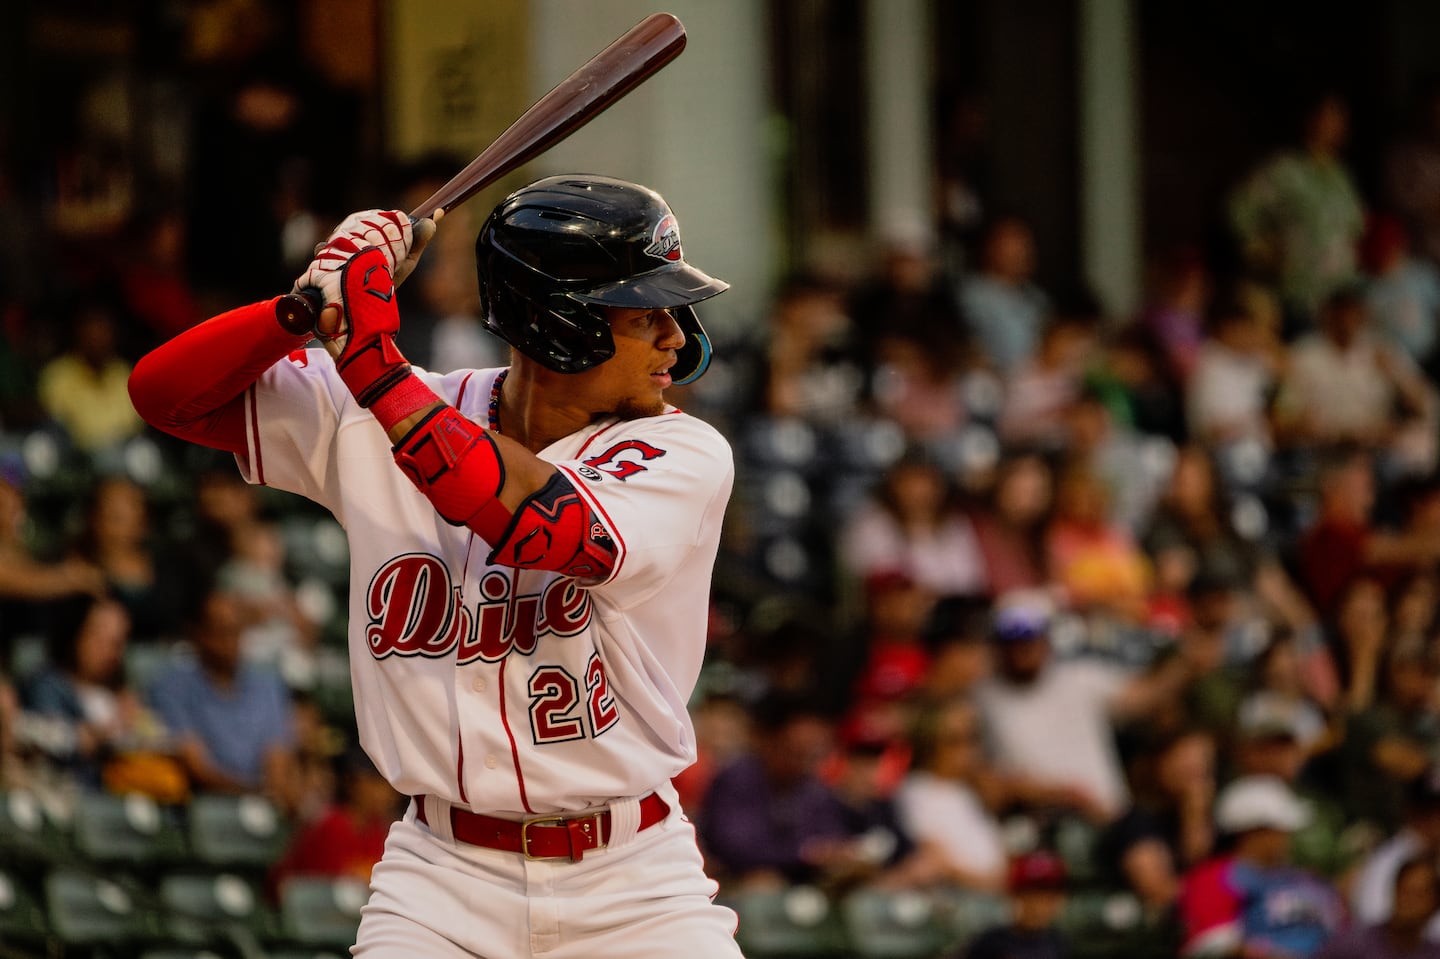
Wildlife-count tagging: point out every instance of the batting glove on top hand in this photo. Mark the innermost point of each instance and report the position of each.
(392, 232)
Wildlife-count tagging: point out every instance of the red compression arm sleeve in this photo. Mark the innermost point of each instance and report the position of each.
(191, 386)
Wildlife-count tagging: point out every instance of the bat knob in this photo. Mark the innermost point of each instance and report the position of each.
(298, 313)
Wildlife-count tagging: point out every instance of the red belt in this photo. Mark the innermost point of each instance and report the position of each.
(545, 837)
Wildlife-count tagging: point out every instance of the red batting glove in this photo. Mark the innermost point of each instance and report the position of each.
(370, 363)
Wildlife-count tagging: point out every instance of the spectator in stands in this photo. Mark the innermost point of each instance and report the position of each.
(1344, 384)
(84, 389)
(117, 536)
(896, 657)
(348, 838)
(907, 302)
(1250, 900)
(913, 526)
(1298, 215)
(1277, 694)
(1173, 317)
(722, 734)
(152, 279)
(806, 363)
(864, 776)
(1010, 528)
(917, 389)
(232, 722)
(277, 630)
(1411, 178)
(1372, 895)
(1216, 601)
(1343, 542)
(1033, 697)
(1133, 467)
(83, 686)
(1095, 561)
(222, 507)
(957, 643)
(944, 800)
(768, 819)
(1402, 291)
(1169, 828)
(1404, 933)
(1002, 304)
(26, 580)
(1228, 397)
(1038, 889)
(1388, 746)
(1273, 742)
(1040, 388)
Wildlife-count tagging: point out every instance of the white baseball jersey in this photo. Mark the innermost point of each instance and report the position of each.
(515, 691)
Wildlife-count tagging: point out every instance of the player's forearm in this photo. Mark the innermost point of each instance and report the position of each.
(190, 386)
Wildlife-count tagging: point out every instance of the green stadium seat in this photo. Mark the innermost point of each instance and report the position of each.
(133, 830)
(235, 832)
(31, 831)
(22, 916)
(90, 910)
(1110, 924)
(965, 914)
(796, 923)
(894, 925)
(206, 908)
(321, 913)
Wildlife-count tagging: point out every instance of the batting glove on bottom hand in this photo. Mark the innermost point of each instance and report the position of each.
(367, 358)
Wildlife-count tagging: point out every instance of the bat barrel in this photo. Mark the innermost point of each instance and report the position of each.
(608, 76)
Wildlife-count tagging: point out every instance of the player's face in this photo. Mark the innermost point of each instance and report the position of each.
(631, 384)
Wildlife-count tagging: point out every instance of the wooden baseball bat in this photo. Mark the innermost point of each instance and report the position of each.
(613, 72)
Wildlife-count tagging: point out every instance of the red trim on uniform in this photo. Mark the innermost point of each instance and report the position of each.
(460, 396)
(254, 403)
(460, 766)
(623, 550)
(596, 435)
(509, 734)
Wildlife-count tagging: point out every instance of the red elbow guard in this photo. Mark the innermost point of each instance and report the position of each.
(555, 529)
(457, 466)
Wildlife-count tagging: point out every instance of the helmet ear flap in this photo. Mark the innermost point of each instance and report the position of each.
(692, 359)
(559, 333)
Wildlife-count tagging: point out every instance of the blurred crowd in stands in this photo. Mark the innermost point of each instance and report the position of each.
(1017, 599)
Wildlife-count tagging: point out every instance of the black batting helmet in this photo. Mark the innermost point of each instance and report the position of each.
(553, 253)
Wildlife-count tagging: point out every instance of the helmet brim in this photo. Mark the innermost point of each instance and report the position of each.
(678, 285)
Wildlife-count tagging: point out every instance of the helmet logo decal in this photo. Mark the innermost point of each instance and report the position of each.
(666, 242)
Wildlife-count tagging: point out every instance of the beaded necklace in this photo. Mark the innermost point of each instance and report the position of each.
(495, 400)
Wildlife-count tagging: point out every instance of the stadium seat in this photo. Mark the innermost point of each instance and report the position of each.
(1108, 924)
(237, 832)
(321, 913)
(1076, 840)
(30, 835)
(965, 914)
(133, 830)
(87, 910)
(22, 916)
(206, 908)
(893, 925)
(796, 922)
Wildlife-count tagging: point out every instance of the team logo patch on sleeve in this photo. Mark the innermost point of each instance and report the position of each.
(624, 459)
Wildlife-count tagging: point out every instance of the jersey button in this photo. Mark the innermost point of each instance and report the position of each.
(490, 761)
(478, 685)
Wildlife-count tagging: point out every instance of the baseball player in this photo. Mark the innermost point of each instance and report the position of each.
(531, 552)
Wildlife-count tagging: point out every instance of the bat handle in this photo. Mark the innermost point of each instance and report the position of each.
(299, 312)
